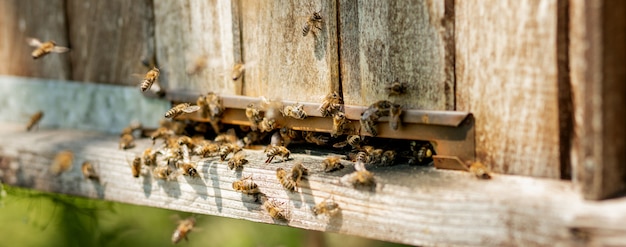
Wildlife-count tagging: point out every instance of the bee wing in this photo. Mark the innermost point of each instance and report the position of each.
(33, 42)
(60, 49)
(191, 109)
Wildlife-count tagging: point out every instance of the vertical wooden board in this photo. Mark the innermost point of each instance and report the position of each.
(597, 63)
(283, 63)
(44, 21)
(506, 70)
(408, 41)
(110, 39)
(189, 30)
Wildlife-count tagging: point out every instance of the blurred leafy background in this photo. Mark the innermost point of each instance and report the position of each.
(33, 218)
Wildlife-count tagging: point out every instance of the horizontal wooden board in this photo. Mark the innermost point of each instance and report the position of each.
(412, 205)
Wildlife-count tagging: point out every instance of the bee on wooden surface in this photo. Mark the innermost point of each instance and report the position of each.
(274, 209)
(339, 124)
(295, 111)
(362, 157)
(34, 120)
(237, 161)
(267, 125)
(127, 141)
(62, 162)
(388, 157)
(163, 172)
(135, 167)
(228, 148)
(208, 149)
(183, 229)
(254, 116)
(395, 112)
(44, 48)
(189, 169)
(246, 185)
(149, 79)
(288, 135)
(237, 72)
(360, 178)
(332, 163)
(312, 21)
(397, 88)
(479, 170)
(376, 156)
(298, 171)
(330, 104)
(353, 140)
(328, 207)
(312, 137)
(216, 108)
(89, 172)
(229, 137)
(372, 114)
(273, 151)
(285, 180)
(180, 109)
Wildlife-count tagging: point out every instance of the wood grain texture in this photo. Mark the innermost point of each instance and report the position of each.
(283, 63)
(506, 70)
(597, 58)
(42, 20)
(196, 30)
(408, 41)
(412, 205)
(110, 39)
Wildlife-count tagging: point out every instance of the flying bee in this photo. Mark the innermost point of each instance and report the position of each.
(319, 140)
(267, 125)
(274, 209)
(189, 169)
(328, 207)
(149, 79)
(204, 106)
(395, 111)
(180, 109)
(34, 120)
(330, 104)
(89, 172)
(135, 167)
(62, 162)
(339, 124)
(228, 148)
(397, 88)
(237, 161)
(312, 21)
(45, 47)
(163, 172)
(295, 111)
(254, 116)
(288, 135)
(332, 163)
(238, 70)
(183, 229)
(360, 178)
(246, 186)
(285, 180)
(388, 157)
(479, 170)
(273, 151)
(207, 150)
(127, 141)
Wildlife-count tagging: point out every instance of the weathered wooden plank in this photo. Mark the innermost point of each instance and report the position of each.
(408, 41)
(197, 44)
(597, 58)
(110, 40)
(65, 104)
(282, 62)
(44, 21)
(506, 70)
(413, 205)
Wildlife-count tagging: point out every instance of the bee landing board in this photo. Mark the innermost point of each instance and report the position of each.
(451, 133)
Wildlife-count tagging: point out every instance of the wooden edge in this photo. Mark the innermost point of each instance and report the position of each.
(411, 205)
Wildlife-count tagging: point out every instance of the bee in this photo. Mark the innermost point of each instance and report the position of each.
(89, 172)
(189, 169)
(395, 111)
(228, 137)
(397, 88)
(420, 154)
(62, 162)
(312, 21)
(267, 125)
(295, 111)
(311, 137)
(45, 47)
(162, 133)
(332, 163)
(251, 138)
(362, 157)
(328, 207)
(254, 116)
(285, 180)
(163, 172)
(135, 167)
(288, 135)
(359, 178)
(273, 151)
(149, 79)
(275, 210)
(228, 148)
(34, 120)
(216, 108)
(376, 156)
(185, 140)
(479, 170)
(183, 229)
(246, 186)
(132, 127)
(353, 140)
(207, 150)
(339, 124)
(298, 171)
(127, 141)
(199, 64)
(238, 70)
(388, 157)
(372, 114)
(180, 109)
(330, 104)
(237, 161)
